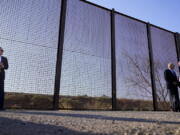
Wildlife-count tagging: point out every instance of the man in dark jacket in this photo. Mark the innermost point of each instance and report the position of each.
(3, 66)
(172, 86)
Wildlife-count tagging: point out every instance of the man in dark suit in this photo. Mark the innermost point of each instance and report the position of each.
(172, 86)
(3, 66)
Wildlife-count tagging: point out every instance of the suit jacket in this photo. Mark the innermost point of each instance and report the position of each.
(170, 79)
(5, 63)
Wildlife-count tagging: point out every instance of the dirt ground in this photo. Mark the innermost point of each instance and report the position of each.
(24, 122)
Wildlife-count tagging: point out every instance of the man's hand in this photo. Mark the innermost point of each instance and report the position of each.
(1, 65)
(175, 83)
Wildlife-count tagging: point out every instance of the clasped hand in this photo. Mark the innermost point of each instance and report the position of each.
(1, 65)
(175, 83)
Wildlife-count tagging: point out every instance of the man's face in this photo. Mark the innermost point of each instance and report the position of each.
(179, 63)
(1, 52)
(171, 66)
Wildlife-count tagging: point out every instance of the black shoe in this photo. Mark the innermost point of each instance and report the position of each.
(2, 109)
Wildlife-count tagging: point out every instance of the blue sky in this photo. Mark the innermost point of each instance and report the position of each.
(163, 13)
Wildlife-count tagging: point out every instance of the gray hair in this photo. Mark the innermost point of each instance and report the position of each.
(170, 65)
(1, 48)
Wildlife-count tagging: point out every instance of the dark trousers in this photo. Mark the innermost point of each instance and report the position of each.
(1, 94)
(174, 100)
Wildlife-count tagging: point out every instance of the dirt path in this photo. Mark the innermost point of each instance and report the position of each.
(88, 123)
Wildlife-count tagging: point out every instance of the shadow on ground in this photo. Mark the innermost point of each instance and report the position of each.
(18, 127)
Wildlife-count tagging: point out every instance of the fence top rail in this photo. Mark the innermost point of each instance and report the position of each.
(162, 28)
(117, 12)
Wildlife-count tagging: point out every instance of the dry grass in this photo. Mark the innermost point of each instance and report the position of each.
(44, 102)
(28, 101)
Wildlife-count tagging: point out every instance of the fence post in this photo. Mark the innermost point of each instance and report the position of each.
(177, 42)
(113, 60)
(59, 55)
(152, 72)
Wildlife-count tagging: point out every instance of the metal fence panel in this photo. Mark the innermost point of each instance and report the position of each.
(164, 52)
(134, 89)
(86, 68)
(29, 35)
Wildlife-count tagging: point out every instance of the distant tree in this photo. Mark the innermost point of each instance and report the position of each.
(139, 77)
